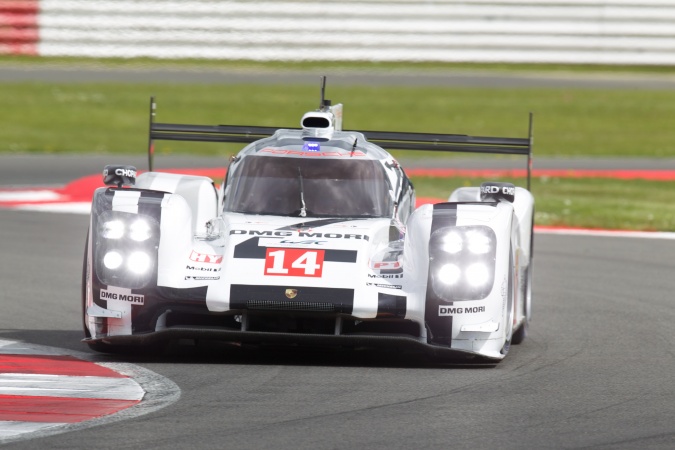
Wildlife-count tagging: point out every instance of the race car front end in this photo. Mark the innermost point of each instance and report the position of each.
(312, 239)
(260, 280)
(469, 287)
(442, 290)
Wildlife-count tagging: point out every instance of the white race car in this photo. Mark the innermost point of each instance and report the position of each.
(312, 239)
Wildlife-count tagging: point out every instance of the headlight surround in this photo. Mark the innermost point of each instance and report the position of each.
(462, 262)
(126, 248)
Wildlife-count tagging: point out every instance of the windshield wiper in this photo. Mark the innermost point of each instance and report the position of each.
(303, 209)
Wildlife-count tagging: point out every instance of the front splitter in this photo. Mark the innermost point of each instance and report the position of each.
(407, 344)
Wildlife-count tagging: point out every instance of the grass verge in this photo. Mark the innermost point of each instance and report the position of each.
(112, 117)
(587, 203)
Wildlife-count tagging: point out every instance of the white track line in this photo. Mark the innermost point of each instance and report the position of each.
(607, 233)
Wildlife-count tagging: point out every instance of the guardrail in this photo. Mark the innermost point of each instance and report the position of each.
(19, 27)
(566, 31)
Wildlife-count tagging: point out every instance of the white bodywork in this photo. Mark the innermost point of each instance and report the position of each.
(228, 264)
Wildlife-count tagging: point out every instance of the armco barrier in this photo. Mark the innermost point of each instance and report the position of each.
(564, 31)
(19, 27)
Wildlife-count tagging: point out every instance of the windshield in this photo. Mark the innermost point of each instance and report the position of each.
(329, 187)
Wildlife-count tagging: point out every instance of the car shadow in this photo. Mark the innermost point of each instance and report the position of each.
(188, 351)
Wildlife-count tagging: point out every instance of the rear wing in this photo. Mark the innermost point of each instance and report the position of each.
(385, 139)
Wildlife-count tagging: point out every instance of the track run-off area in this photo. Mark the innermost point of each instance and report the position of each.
(75, 196)
(595, 371)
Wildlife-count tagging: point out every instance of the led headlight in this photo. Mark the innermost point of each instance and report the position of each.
(112, 229)
(126, 248)
(139, 263)
(462, 262)
(452, 242)
(477, 274)
(112, 260)
(449, 274)
(478, 241)
(139, 230)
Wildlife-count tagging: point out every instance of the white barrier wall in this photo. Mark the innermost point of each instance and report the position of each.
(564, 31)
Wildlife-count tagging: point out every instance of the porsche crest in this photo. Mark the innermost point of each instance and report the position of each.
(291, 293)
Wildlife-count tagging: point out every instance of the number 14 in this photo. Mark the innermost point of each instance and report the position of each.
(294, 262)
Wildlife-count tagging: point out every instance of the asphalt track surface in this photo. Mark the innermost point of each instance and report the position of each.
(395, 77)
(595, 372)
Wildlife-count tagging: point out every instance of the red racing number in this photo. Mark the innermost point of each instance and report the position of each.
(294, 262)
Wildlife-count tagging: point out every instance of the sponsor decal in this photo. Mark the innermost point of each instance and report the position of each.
(294, 262)
(301, 234)
(204, 269)
(277, 242)
(396, 275)
(385, 286)
(201, 278)
(291, 293)
(302, 242)
(134, 299)
(458, 310)
(311, 147)
(130, 173)
(506, 190)
(387, 265)
(281, 151)
(205, 258)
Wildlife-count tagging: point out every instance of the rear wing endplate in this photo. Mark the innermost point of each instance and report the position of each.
(385, 139)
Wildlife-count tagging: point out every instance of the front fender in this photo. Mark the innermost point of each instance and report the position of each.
(127, 228)
(457, 317)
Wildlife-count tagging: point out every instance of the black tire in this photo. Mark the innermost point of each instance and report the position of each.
(509, 307)
(520, 334)
(84, 286)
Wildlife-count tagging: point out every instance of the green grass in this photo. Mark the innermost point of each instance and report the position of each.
(112, 117)
(588, 203)
(576, 202)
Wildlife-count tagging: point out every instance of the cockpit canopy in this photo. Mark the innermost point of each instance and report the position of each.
(330, 187)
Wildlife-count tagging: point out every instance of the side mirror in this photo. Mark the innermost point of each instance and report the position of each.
(495, 191)
(114, 175)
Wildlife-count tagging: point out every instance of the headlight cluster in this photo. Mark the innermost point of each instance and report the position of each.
(126, 248)
(462, 262)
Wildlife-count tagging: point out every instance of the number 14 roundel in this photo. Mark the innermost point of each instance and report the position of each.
(294, 262)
